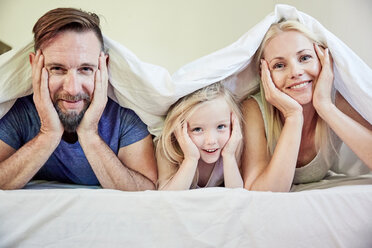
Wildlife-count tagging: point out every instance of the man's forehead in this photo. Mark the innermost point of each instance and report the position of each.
(73, 47)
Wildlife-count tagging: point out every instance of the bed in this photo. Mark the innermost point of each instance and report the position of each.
(330, 213)
(49, 214)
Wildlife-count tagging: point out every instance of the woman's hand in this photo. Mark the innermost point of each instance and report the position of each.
(233, 144)
(323, 85)
(286, 104)
(189, 149)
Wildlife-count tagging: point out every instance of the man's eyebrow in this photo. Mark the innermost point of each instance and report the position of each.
(61, 65)
(89, 65)
(54, 65)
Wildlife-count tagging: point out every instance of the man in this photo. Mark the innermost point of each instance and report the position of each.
(68, 130)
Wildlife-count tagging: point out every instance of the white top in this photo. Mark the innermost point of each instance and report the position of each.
(318, 168)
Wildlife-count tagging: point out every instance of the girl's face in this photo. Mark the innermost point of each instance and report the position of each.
(293, 64)
(209, 128)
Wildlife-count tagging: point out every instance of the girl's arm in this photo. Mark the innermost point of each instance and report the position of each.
(232, 177)
(344, 120)
(260, 172)
(183, 177)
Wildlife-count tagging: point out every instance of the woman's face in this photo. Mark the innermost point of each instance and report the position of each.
(293, 64)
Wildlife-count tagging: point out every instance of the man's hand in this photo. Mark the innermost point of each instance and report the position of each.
(89, 123)
(50, 123)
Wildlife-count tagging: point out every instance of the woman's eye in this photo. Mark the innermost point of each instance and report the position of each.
(278, 66)
(305, 57)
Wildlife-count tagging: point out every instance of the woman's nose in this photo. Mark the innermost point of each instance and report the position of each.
(296, 70)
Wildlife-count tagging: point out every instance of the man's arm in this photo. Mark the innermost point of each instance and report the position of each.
(133, 169)
(18, 167)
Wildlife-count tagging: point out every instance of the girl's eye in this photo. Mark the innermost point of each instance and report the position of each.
(196, 130)
(278, 66)
(222, 126)
(305, 58)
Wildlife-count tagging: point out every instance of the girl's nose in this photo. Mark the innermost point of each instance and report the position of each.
(210, 138)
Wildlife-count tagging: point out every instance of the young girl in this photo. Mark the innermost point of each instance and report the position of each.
(296, 124)
(201, 141)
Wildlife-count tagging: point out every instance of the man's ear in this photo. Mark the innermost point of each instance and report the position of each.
(107, 59)
(31, 57)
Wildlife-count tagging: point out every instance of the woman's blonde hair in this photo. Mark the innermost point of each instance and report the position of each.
(272, 114)
(179, 112)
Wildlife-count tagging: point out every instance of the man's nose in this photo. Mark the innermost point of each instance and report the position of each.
(72, 84)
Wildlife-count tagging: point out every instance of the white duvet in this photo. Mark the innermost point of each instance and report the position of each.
(212, 217)
(149, 89)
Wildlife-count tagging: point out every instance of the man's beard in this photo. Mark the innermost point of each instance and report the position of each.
(71, 119)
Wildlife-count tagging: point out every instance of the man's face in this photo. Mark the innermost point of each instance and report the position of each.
(71, 60)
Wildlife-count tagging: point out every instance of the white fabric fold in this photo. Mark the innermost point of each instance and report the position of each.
(150, 90)
(232, 65)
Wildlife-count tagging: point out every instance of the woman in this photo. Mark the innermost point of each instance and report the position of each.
(295, 125)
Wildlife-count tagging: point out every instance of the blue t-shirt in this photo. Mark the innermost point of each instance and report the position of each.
(118, 127)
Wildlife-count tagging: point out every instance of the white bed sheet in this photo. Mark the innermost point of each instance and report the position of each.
(213, 217)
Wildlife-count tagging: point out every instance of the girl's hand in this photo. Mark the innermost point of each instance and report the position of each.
(189, 149)
(286, 104)
(323, 85)
(233, 144)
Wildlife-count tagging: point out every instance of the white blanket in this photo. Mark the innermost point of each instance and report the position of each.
(213, 217)
(149, 89)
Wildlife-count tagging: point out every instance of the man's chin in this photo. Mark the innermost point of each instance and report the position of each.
(70, 120)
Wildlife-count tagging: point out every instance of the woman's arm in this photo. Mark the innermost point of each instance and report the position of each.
(344, 120)
(260, 172)
(350, 126)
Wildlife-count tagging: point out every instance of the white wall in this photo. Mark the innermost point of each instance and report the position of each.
(172, 33)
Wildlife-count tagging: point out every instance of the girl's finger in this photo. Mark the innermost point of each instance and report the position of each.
(178, 131)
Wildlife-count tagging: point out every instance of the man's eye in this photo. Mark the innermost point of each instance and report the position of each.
(56, 70)
(86, 70)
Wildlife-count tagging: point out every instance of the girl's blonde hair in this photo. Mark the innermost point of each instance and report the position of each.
(179, 112)
(272, 115)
